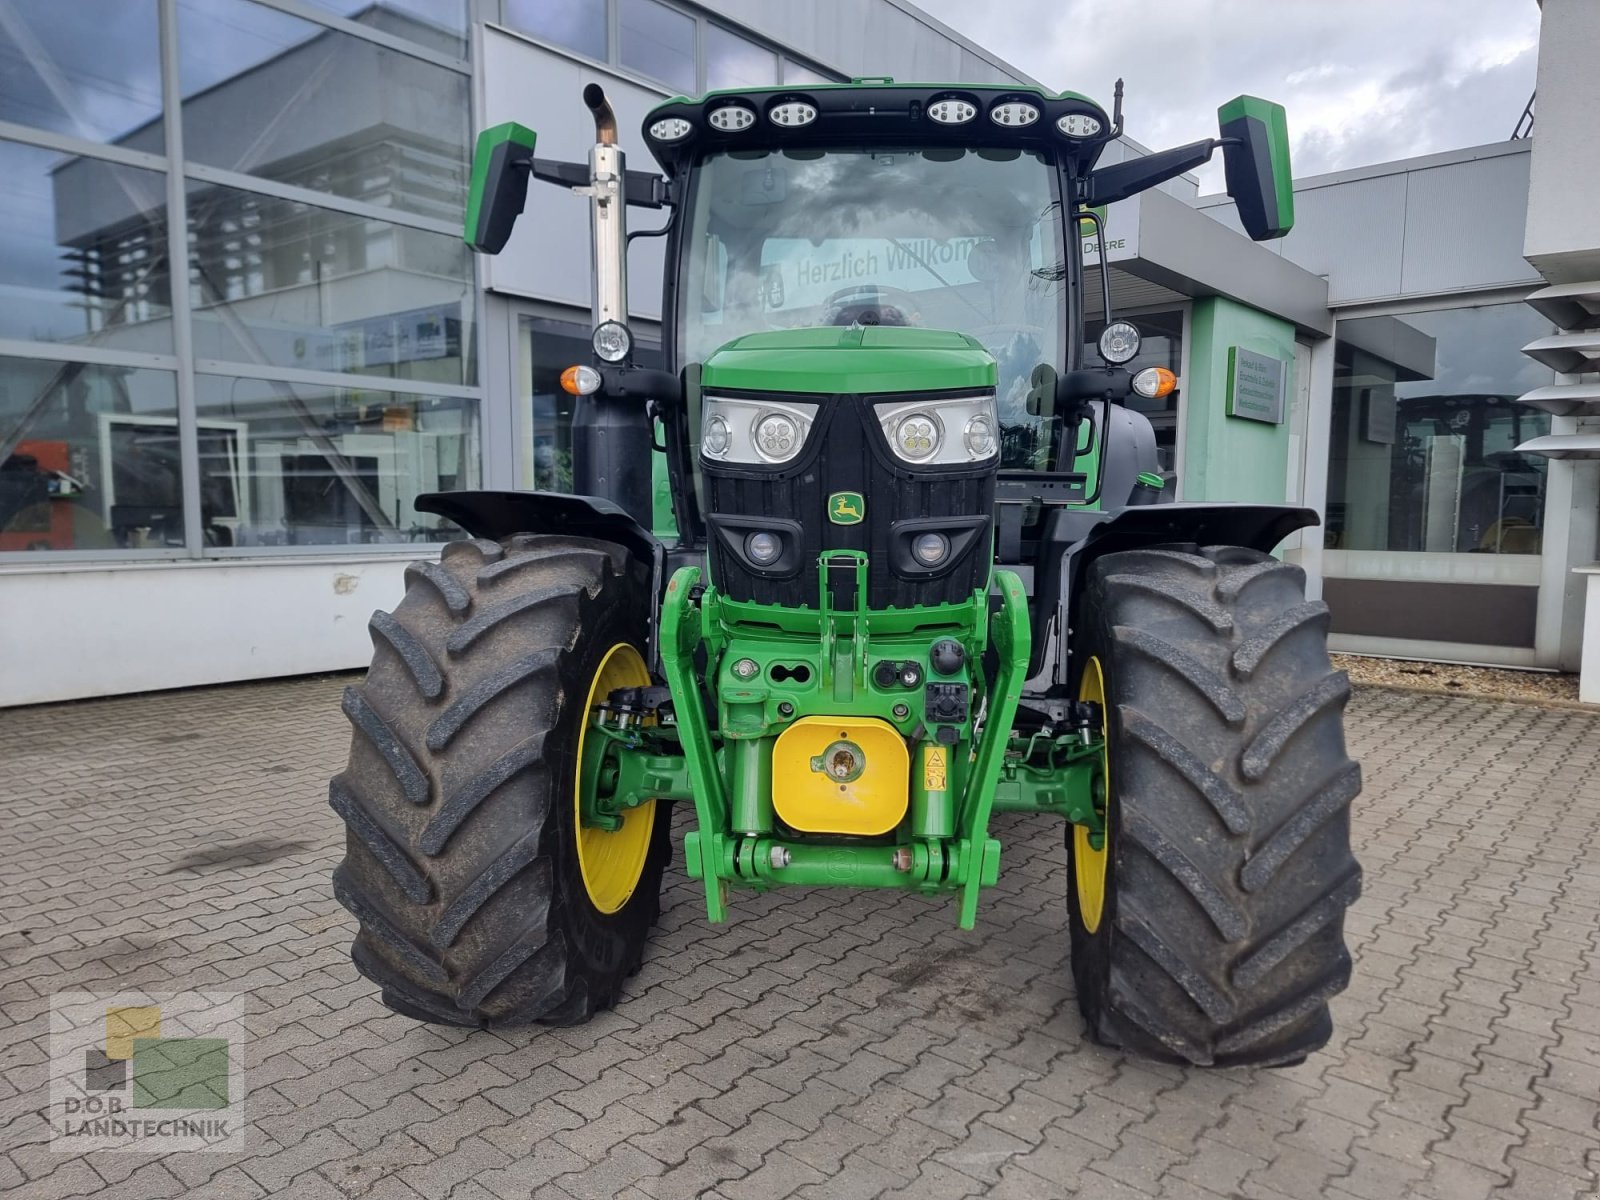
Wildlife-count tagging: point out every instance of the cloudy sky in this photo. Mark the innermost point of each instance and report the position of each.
(1365, 81)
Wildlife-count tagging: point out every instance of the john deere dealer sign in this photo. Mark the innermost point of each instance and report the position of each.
(1255, 386)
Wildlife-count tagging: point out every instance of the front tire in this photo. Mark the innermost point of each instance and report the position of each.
(1209, 929)
(465, 860)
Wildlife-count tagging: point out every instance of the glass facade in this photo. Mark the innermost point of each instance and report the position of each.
(734, 62)
(315, 370)
(676, 46)
(1422, 445)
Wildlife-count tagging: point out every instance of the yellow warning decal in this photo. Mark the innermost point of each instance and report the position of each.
(933, 768)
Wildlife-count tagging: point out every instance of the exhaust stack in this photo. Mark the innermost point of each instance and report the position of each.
(607, 212)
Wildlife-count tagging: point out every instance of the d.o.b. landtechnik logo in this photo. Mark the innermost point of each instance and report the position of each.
(139, 1071)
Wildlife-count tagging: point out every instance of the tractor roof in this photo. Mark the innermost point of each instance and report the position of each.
(876, 111)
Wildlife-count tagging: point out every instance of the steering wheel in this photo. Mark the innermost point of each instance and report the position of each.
(869, 304)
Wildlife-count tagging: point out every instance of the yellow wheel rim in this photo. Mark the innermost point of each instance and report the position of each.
(611, 861)
(1088, 864)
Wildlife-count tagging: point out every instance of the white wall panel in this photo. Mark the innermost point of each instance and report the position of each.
(1442, 223)
(1463, 226)
(69, 633)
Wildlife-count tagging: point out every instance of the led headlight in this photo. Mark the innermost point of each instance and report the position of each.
(715, 437)
(949, 431)
(670, 129)
(1119, 343)
(1014, 114)
(979, 436)
(763, 548)
(930, 549)
(792, 114)
(754, 432)
(1078, 125)
(777, 436)
(952, 110)
(612, 341)
(731, 118)
(916, 435)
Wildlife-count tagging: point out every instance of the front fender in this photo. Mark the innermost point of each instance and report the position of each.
(498, 515)
(1256, 526)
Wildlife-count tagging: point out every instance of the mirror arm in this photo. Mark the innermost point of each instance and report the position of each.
(1121, 180)
(643, 189)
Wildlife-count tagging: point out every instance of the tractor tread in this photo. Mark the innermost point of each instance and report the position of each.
(465, 906)
(1211, 1000)
(1224, 799)
(461, 803)
(1249, 655)
(482, 693)
(1190, 669)
(1221, 936)
(1330, 907)
(1202, 606)
(1331, 799)
(384, 926)
(1164, 1033)
(1233, 587)
(464, 635)
(424, 671)
(378, 843)
(460, 865)
(1270, 740)
(390, 748)
(1228, 919)
(440, 580)
(481, 550)
(592, 562)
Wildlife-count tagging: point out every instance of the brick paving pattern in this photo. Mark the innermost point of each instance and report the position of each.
(822, 1044)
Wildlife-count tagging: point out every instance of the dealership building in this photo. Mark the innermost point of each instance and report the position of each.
(213, 481)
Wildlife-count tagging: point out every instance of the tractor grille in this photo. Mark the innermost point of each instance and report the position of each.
(847, 452)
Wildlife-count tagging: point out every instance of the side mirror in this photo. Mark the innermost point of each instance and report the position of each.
(1256, 162)
(501, 165)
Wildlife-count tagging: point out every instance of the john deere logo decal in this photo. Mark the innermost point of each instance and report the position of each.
(846, 508)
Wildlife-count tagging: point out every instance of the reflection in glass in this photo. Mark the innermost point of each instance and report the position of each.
(285, 284)
(290, 100)
(794, 72)
(311, 465)
(576, 24)
(657, 42)
(438, 24)
(83, 251)
(734, 62)
(89, 68)
(947, 239)
(1422, 449)
(89, 458)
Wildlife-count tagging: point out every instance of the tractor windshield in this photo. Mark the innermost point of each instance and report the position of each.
(968, 240)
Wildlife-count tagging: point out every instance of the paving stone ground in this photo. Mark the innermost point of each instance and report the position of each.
(822, 1044)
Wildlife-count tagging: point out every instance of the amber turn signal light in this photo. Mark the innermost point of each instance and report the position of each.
(1154, 382)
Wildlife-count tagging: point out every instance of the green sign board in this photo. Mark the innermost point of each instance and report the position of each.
(1255, 386)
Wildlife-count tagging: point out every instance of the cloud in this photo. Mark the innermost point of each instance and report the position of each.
(1365, 81)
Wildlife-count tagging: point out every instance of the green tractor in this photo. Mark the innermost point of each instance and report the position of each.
(875, 557)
